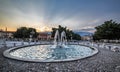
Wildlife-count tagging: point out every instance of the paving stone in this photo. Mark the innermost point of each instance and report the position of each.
(104, 61)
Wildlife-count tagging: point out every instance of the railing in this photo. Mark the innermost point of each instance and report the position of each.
(112, 47)
(21, 43)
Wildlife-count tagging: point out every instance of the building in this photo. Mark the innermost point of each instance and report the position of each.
(2, 34)
(9, 34)
(44, 36)
(6, 34)
(87, 38)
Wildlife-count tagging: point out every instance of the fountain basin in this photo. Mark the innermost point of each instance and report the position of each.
(45, 53)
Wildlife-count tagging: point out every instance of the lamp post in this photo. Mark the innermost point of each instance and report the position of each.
(71, 37)
(31, 35)
(4, 39)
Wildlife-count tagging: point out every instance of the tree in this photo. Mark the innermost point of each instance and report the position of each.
(24, 32)
(68, 32)
(108, 30)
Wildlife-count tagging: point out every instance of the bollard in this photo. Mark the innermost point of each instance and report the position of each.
(14, 44)
(109, 47)
(22, 43)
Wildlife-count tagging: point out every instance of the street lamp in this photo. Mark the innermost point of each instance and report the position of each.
(4, 39)
(31, 35)
(71, 37)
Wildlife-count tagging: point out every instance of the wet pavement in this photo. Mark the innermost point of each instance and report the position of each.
(105, 61)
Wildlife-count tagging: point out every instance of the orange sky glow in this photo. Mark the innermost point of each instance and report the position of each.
(42, 29)
(80, 15)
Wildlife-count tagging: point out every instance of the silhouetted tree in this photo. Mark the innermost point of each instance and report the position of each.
(69, 33)
(24, 32)
(108, 30)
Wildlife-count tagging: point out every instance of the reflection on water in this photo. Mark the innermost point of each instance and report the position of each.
(45, 52)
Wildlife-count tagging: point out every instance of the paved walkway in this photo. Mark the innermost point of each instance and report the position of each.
(104, 61)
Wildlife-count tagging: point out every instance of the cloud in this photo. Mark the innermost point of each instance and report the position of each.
(76, 15)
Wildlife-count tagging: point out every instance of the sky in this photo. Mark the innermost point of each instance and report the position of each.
(78, 15)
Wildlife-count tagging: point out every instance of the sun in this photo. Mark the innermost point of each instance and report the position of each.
(44, 29)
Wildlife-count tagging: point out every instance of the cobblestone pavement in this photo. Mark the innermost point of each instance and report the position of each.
(104, 61)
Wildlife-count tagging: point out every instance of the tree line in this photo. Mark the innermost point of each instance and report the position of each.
(24, 32)
(108, 30)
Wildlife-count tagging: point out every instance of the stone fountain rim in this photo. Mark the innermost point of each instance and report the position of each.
(6, 54)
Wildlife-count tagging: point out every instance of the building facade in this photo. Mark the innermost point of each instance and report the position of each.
(87, 38)
(6, 34)
(44, 36)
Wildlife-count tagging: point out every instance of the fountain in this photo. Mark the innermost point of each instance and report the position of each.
(56, 40)
(59, 40)
(59, 51)
(63, 38)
